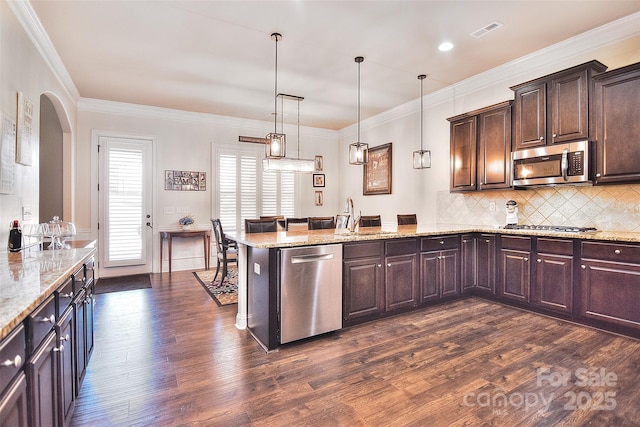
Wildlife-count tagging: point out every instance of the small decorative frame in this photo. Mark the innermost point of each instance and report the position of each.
(319, 160)
(318, 180)
(185, 180)
(376, 177)
(319, 198)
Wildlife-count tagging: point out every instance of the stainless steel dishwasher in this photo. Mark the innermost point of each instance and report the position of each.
(310, 291)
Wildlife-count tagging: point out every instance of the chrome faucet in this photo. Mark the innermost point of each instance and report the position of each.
(348, 208)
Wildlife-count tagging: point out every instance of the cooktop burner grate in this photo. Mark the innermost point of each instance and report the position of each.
(557, 228)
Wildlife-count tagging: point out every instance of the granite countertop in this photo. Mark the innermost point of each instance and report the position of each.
(27, 278)
(283, 239)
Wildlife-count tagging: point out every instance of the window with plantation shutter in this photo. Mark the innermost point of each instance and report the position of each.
(245, 191)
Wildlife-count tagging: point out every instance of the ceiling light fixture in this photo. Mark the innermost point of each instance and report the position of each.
(421, 158)
(284, 163)
(276, 145)
(358, 151)
(445, 46)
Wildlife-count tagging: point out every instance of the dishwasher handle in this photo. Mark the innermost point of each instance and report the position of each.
(298, 259)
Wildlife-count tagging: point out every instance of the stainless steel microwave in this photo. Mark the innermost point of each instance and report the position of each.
(551, 164)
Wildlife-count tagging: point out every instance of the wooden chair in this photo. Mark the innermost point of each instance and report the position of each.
(342, 221)
(260, 225)
(321, 222)
(227, 250)
(370, 221)
(408, 219)
(298, 223)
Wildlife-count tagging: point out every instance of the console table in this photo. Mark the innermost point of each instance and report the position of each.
(186, 234)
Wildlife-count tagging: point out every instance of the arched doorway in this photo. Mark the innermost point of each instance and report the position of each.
(55, 160)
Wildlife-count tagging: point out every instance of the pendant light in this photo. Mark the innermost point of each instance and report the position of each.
(276, 144)
(358, 151)
(421, 158)
(284, 163)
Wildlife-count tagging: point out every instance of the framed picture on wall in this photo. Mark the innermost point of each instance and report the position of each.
(318, 180)
(377, 173)
(319, 198)
(319, 160)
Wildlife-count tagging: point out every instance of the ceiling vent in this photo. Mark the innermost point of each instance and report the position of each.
(486, 29)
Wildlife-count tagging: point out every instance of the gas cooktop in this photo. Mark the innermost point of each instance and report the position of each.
(556, 228)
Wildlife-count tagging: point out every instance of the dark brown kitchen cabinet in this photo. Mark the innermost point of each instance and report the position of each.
(42, 390)
(401, 274)
(463, 153)
(515, 268)
(13, 403)
(66, 380)
(363, 281)
(553, 283)
(83, 304)
(616, 125)
(478, 262)
(610, 285)
(481, 149)
(555, 108)
(439, 268)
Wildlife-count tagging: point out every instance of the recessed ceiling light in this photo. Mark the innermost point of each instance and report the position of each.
(446, 46)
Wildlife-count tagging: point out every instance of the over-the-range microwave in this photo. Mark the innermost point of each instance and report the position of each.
(551, 164)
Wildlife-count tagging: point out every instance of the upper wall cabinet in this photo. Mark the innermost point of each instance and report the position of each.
(555, 108)
(481, 149)
(615, 125)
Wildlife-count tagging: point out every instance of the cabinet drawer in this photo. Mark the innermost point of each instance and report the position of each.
(517, 243)
(362, 250)
(400, 247)
(611, 252)
(78, 279)
(429, 244)
(64, 295)
(40, 322)
(88, 270)
(12, 356)
(555, 246)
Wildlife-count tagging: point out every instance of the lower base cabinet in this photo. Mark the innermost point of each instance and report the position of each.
(66, 381)
(13, 403)
(515, 269)
(439, 268)
(553, 282)
(363, 282)
(42, 376)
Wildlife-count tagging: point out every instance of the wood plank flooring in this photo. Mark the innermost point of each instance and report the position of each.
(169, 356)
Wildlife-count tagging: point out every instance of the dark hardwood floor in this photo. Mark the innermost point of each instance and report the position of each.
(169, 356)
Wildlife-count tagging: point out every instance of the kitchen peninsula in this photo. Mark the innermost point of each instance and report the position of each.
(591, 278)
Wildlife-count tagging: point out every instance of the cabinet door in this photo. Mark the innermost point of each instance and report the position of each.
(89, 312)
(363, 288)
(42, 375)
(515, 277)
(486, 263)
(617, 128)
(463, 154)
(449, 273)
(429, 276)
(610, 292)
(530, 116)
(553, 286)
(494, 149)
(569, 108)
(66, 381)
(401, 279)
(80, 345)
(13, 403)
(469, 267)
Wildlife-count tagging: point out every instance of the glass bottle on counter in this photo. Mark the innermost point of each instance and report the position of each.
(15, 237)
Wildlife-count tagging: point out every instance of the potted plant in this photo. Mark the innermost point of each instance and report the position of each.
(187, 222)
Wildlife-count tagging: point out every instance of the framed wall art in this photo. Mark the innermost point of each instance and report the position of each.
(319, 161)
(319, 198)
(185, 180)
(377, 173)
(318, 180)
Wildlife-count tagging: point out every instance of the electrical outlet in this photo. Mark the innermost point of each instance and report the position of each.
(492, 206)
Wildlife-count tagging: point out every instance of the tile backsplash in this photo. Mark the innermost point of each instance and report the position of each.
(609, 208)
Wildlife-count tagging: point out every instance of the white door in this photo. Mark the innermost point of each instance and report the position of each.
(125, 227)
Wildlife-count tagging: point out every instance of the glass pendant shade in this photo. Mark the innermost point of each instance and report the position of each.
(422, 159)
(358, 153)
(276, 145)
(286, 164)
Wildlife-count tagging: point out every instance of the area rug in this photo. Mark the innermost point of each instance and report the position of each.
(224, 293)
(122, 283)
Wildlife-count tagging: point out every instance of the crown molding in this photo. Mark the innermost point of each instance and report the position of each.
(149, 112)
(31, 24)
(538, 62)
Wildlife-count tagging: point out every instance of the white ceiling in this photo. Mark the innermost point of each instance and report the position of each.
(218, 57)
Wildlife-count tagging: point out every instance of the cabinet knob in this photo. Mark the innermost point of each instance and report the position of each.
(17, 362)
(584, 267)
(554, 135)
(389, 265)
(488, 241)
(442, 242)
(542, 138)
(464, 240)
(69, 295)
(617, 252)
(51, 319)
(598, 175)
(60, 349)
(539, 261)
(525, 259)
(379, 265)
(65, 338)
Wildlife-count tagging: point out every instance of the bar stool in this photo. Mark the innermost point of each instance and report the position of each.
(370, 221)
(321, 222)
(260, 225)
(407, 219)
